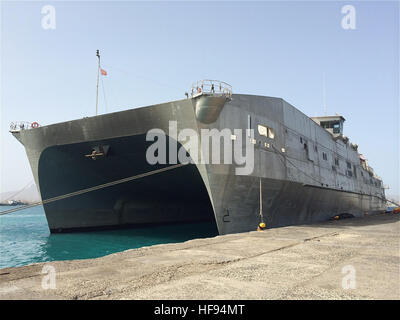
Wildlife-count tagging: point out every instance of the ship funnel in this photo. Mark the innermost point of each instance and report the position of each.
(210, 97)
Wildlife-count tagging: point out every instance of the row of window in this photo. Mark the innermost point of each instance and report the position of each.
(269, 133)
(335, 125)
(325, 157)
(351, 170)
(351, 173)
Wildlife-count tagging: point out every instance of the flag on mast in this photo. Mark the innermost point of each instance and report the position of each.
(103, 72)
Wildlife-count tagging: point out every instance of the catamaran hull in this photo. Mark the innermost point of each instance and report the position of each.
(60, 159)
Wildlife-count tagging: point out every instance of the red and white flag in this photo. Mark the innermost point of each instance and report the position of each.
(103, 72)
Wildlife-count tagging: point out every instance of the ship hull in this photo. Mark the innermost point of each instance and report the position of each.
(60, 159)
(285, 203)
(173, 195)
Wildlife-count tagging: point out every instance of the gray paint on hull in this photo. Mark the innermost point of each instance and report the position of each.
(285, 198)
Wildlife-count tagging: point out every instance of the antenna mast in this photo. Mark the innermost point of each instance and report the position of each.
(323, 94)
(98, 74)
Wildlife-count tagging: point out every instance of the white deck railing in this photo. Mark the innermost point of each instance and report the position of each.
(23, 125)
(211, 87)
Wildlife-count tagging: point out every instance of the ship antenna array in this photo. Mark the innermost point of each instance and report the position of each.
(98, 187)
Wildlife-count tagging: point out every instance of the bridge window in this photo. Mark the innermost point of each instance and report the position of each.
(334, 125)
(324, 156)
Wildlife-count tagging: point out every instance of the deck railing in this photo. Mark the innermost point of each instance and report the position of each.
(22, 125)
(211, 87)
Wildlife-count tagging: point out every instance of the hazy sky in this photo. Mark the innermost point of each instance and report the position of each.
(153, 51)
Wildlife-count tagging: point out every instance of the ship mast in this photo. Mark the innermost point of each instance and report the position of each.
(323, 94)
(98, 74)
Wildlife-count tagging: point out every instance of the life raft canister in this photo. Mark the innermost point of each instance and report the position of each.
(35, 125)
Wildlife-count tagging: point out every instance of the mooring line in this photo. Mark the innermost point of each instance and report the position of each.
(98, 187)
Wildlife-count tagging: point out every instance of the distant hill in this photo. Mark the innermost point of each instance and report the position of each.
(394, 198)
(29, 195)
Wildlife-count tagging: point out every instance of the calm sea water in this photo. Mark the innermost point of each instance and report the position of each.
(25, 239)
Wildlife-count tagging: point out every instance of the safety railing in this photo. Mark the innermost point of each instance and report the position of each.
(211, 87)
(22, 125)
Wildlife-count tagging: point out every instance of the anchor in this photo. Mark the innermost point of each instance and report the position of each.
(97, 151)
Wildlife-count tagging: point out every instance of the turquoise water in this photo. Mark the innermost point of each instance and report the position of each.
(25, 239)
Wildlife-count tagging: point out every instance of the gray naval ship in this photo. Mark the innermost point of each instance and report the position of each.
(305, 169)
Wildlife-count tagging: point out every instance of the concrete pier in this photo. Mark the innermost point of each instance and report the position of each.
(346, 259)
